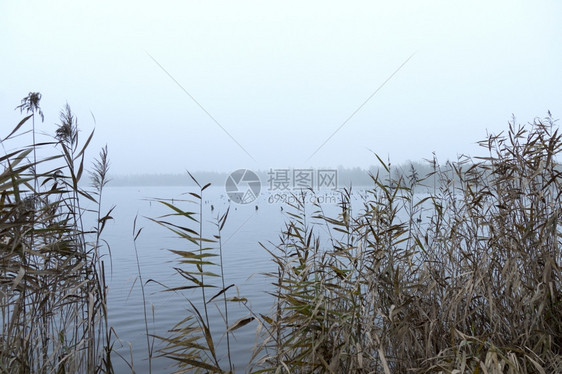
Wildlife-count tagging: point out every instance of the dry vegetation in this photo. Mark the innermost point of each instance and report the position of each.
(474, 287)
(53, 315)
(464, 278)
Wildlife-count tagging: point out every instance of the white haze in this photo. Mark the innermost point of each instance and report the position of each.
(281, 77)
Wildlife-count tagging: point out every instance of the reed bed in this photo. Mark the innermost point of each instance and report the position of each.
(469, 282)
(53, 310)
(456, 271)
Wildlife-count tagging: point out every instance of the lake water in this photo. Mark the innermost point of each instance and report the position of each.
(245, 262)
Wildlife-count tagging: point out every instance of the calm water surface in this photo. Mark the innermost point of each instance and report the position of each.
(245, 262)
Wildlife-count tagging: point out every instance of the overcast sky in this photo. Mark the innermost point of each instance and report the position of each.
(281, 77)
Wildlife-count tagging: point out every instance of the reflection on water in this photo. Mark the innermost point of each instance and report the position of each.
(245, 262)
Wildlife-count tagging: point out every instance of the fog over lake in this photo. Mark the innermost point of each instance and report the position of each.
(263, 100)
(226, 85)
(245, 262)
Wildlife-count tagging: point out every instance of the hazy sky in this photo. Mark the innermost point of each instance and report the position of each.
(281, 77)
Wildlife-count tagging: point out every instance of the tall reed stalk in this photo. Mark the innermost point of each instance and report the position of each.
(473, 287)
(193, 342)
(52, 287)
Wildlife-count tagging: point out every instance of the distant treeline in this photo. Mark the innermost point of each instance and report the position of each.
(345, 176)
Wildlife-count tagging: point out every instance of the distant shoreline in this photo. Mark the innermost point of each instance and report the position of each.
(345, 176)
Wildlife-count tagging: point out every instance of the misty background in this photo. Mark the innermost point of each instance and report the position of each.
(157, 81)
